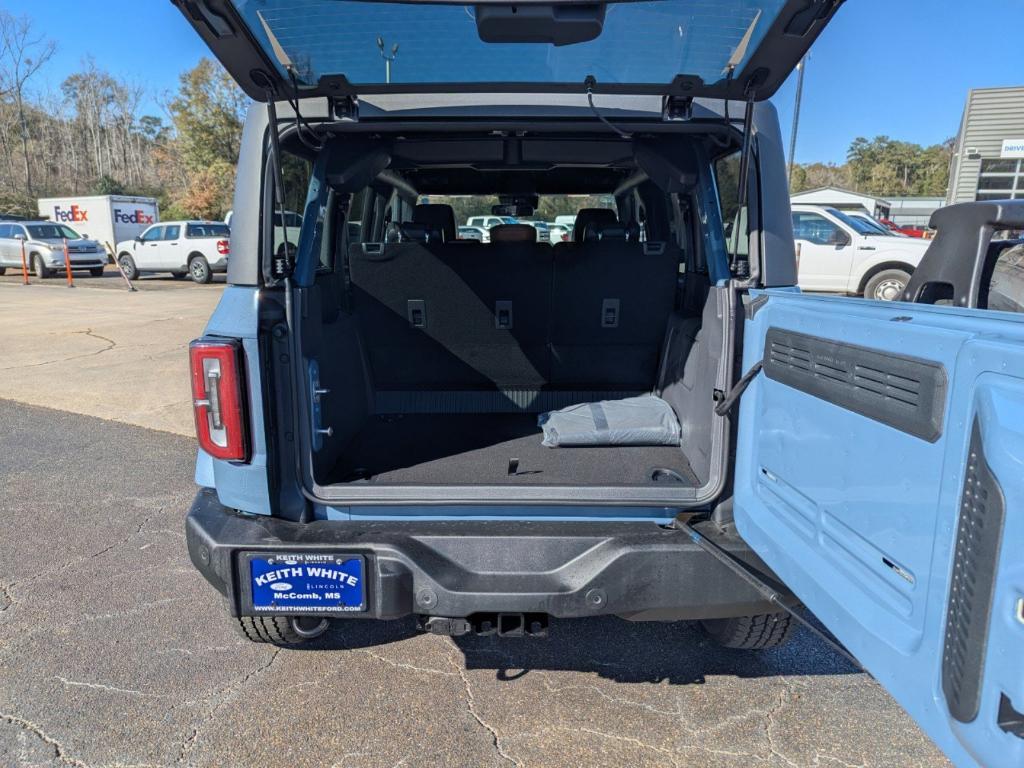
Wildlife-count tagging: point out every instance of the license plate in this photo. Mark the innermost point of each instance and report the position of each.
(306, 583)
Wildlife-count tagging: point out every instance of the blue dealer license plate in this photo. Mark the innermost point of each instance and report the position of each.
(307, 583)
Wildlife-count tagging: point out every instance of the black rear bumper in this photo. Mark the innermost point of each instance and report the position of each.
(639, 571)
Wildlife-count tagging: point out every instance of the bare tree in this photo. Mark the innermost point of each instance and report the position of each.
(22, 55)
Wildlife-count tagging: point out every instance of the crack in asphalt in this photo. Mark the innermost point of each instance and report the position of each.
(105, 687)
(390, 662)
(769, 723)
(630, 740)
(6, 598)
(39, 733)
(222, 697)
(87, 332)
(85, 558)
(471, 707)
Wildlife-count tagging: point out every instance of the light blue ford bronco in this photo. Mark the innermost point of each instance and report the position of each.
(648, 420)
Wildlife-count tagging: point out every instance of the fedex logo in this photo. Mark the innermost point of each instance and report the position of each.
(74, 213)
(137, 216)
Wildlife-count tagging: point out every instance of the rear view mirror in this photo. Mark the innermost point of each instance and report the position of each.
(19, 237)
(843, 239)
(554, 24)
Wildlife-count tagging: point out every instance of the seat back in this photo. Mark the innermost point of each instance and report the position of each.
(611, 300)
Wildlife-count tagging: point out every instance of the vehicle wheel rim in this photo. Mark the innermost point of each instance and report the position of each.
(889, 290)
(197, 270)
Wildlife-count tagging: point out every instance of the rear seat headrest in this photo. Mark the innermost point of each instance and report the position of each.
(513, 233)
(587, 216)
(436, 215)
(414, 232)
(625, 232)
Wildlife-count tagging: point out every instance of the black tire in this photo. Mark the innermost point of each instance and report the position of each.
(751, 633)
(127, 265)
(3, 271)
(199, 269)
(96, 271)
(282, 630)
(39, 267)
(887, 285)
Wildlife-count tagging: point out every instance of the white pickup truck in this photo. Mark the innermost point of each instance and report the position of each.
(194, 248)
(841, 254)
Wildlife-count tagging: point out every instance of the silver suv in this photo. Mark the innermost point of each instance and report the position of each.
(43, 243)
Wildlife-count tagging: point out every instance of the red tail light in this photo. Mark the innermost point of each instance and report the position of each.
(218, 398)
(223, 247)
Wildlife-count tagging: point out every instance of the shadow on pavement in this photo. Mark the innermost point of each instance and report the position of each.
(618, 650)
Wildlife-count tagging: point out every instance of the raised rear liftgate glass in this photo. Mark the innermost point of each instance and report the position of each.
(647, 42)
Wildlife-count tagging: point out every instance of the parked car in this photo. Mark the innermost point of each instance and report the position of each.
(382, 423)
(44, 248)
(559, 233)
(911, 230)
(474, 233)
(874, 223)
(195, 248)
(843, 254)
(486, 222)
(543, 233)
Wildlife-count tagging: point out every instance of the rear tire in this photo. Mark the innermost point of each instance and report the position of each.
(96, 271)
(199, 268)
(751, 633)
(887, 285)
(127, 265)
(282, 630)
(3, 271)
(39, 267)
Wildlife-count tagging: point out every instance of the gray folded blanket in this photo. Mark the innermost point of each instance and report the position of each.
(643, 420)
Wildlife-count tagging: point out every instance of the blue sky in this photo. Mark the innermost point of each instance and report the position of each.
(895, 67)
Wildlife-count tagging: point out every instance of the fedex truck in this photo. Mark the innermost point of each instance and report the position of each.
(106, 218)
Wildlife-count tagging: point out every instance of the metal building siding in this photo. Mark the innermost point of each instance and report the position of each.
(991, 115)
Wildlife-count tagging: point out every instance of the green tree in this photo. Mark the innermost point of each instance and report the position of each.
(208, 112)
(107, 185)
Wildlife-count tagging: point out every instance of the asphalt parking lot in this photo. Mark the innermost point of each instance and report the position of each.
(114, 651)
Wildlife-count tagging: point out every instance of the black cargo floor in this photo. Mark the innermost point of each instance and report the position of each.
(481, 449)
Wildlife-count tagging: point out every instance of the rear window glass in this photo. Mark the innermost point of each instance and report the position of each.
(649, 41)
(207, 230)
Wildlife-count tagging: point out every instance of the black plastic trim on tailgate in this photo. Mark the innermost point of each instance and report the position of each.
(905, 392)
(979, 534)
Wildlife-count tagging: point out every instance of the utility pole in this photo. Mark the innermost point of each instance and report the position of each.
(796, 114)
(387, 58)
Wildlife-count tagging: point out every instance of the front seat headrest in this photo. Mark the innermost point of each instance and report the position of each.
(513, 233)
(587, 216)
(624, 232)
(437, 215)
(413, 232)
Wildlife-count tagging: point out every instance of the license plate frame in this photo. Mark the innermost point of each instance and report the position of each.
(327, 590)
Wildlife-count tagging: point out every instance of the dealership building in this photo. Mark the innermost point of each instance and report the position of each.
(988, 160)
